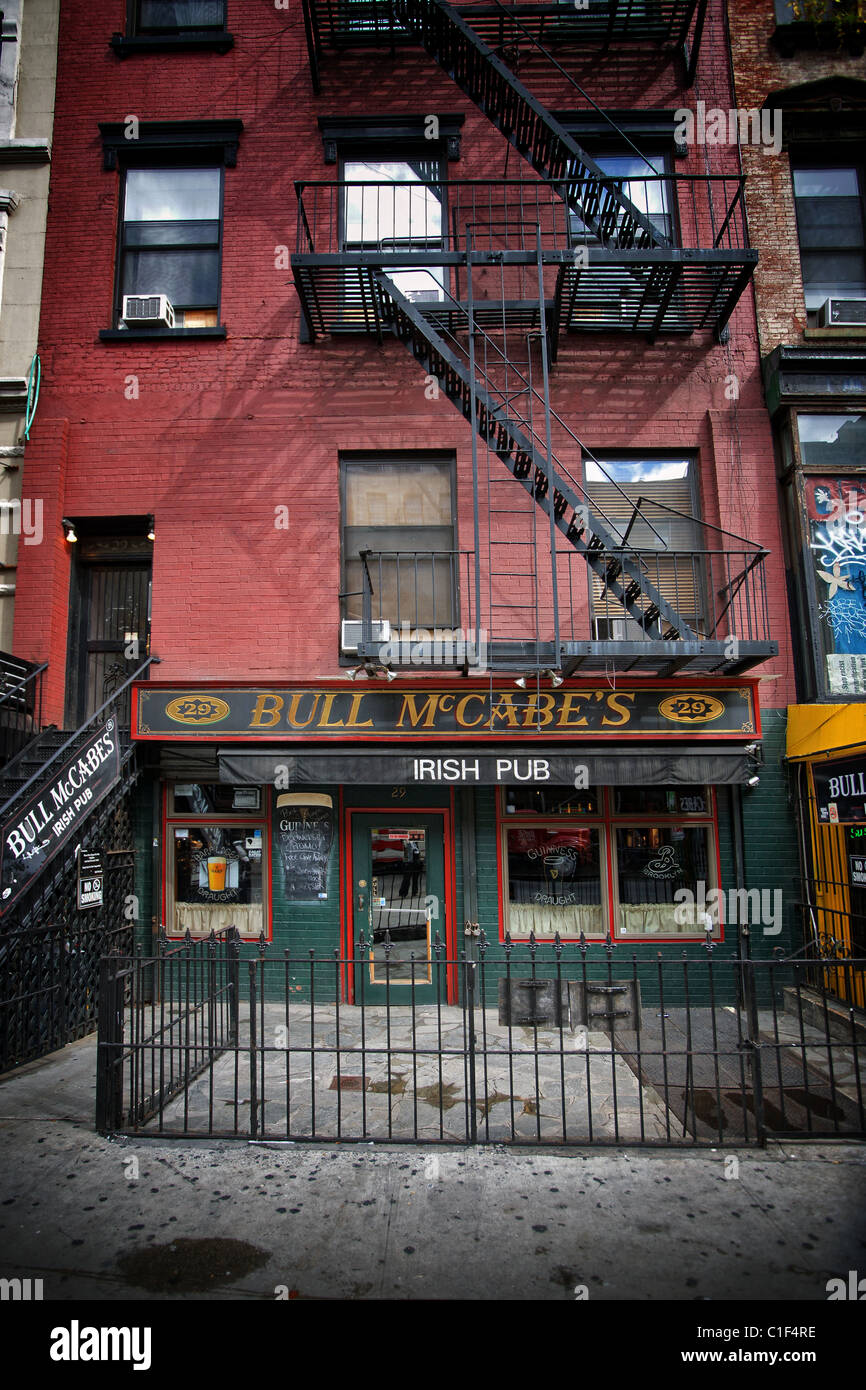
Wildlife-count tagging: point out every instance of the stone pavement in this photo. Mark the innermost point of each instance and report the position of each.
(115, 1219)
(400, 1074)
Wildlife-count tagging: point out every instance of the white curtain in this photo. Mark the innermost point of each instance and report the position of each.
(547, 921)
(657, 919)
(201, 920)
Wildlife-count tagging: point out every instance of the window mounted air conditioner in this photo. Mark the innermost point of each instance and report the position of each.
(423, 296)
(148, 310)
(842, 313)
(617, 630)
(350, 634)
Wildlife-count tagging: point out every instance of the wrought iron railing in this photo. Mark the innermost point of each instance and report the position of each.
(428, 599)
(20, 703)
(517, 1043)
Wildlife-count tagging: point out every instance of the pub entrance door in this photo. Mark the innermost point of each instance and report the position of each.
(399, 902)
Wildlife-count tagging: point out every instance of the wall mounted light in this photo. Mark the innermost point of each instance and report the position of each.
(70, 530)
(151, 529)
(753, 781)
(521, 682)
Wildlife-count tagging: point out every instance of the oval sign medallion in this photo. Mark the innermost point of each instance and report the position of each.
(197, 709)
(691, 709)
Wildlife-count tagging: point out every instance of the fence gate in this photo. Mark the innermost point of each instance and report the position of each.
(550, 1044)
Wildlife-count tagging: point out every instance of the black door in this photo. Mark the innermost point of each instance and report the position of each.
(110, 621)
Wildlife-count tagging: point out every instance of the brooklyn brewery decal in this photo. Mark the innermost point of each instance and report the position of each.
(53, 815)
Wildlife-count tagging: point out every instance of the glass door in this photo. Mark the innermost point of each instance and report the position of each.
(398, 896)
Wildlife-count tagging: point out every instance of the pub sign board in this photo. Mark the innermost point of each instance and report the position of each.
(222, 714)
(53, 814)
(840, 791)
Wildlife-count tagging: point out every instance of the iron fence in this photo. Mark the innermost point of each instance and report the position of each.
(50, 986)
(514, 1043)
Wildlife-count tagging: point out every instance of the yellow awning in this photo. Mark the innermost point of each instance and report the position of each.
(816, 731)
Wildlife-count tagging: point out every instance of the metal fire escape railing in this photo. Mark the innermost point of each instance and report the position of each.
(478, 278)
(603, 281)
(346, 24)
(648, 585)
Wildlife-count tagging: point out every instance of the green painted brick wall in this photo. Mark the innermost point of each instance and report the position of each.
(770, 859)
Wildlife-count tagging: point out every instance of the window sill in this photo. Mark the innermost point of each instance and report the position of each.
(834, 334)
(121, 335)
(193, 42)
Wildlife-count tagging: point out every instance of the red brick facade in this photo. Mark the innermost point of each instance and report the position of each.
(212, 437)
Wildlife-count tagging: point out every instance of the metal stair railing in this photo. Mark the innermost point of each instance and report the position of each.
(520, 447)
(522, 119)
(79, 734)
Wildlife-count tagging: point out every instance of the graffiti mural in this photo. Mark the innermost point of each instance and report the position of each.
(836, 509)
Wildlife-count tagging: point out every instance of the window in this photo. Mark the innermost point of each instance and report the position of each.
(648, 843)
(393, 205)
(830, 224)
(170, 241)
(666, 534)
(177, 16)
(640, 179)
(402, 510)
(217, 860)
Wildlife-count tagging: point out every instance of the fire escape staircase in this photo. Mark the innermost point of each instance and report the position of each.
(605, 253)
(512, 437)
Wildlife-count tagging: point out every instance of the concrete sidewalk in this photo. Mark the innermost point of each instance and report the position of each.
(135, 1218)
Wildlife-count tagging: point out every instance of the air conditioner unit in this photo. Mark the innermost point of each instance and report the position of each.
(351, 633)
(147, 309)
(616, 630)
(842, 313)
(424, 296)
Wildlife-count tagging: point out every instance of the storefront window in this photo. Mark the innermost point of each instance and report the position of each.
(653, 862)
(554, 881)
(663, 801)
(638, 862)
(551, 801)
(216, 869)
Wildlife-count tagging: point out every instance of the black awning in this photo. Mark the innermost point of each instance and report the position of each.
(715, 764)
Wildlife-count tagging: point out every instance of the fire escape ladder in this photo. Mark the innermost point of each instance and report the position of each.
(508, 433)
(554, 154)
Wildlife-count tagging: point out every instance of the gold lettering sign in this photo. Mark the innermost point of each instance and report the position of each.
(691, 709)
(197, 710)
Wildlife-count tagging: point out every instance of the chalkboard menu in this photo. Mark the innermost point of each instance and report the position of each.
(304, 836)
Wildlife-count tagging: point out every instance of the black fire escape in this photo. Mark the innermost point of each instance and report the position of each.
(480, 280)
